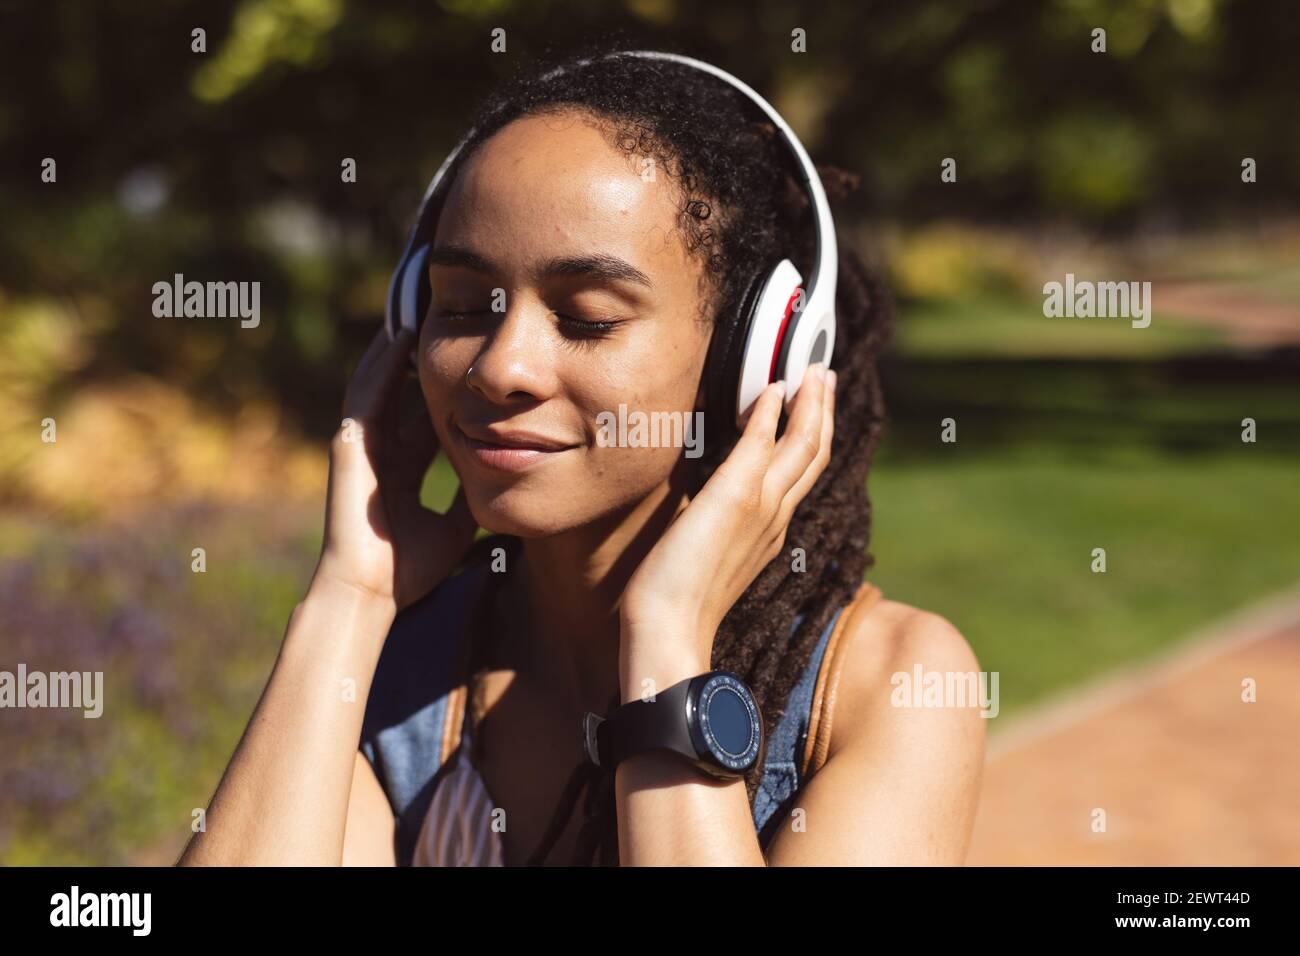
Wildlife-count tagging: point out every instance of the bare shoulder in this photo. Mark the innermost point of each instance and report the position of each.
(889, 647)
(901, 782)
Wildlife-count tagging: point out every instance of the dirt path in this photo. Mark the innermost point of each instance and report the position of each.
(1187, 773)
(1245, 316)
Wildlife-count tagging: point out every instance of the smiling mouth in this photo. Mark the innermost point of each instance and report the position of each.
(512, 453)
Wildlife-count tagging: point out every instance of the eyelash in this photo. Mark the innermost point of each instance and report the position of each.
(459, 316)
(586, 332)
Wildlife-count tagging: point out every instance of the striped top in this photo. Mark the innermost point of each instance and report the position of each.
(458, 829)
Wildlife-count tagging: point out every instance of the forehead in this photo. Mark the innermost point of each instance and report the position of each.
(554, 184)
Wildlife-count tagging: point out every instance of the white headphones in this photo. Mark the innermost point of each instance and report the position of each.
(774, 334)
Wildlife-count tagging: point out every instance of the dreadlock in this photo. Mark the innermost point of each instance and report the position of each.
(741, 208)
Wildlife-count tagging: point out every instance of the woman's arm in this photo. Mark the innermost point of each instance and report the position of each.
(284, 798)
(371, 831)
(900, 786)
(668, 813)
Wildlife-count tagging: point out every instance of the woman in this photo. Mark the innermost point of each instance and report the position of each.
(611, 569)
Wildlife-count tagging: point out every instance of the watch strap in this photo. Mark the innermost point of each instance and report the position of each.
(640, 725)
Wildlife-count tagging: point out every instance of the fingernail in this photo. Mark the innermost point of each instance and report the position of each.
(831, 379)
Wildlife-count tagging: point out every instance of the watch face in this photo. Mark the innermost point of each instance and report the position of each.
(729, 722)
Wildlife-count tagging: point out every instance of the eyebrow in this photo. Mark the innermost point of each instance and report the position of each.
(608, 268)
(459, 257)
(601, 267)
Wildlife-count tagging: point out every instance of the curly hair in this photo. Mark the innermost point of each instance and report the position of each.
(741, 208)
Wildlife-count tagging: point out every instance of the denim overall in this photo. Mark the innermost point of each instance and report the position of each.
(404, 734)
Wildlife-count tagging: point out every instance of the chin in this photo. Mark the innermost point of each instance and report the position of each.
(521, 513)
(523, 510)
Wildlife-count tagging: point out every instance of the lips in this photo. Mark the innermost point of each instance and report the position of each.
(510, 450)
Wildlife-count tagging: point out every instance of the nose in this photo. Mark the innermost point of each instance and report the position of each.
(514, 365)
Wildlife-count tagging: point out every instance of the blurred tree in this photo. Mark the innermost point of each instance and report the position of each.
(227, 163)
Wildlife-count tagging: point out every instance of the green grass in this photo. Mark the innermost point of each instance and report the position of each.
(1002, 548)
(1011, 328)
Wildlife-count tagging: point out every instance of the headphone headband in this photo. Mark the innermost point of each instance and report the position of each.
(769, 347)
(827, 248)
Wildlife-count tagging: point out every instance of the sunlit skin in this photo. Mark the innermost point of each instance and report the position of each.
(544, 194)
(623, 578)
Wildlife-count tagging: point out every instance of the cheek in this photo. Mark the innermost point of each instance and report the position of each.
(640, 470)
(442, 366)
(660, 394)
(443, 358)
(657, 372)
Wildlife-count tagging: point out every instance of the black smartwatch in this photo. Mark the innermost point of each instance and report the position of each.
(712, 720)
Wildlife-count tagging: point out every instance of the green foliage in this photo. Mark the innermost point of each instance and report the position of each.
(225, 164)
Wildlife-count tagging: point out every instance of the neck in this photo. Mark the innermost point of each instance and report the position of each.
(571, 585)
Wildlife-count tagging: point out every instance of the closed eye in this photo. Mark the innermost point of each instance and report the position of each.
(571, 327)
(584, 328)
(455, 315)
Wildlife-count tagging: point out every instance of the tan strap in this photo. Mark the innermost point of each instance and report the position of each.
(453, 720)
(828, 678)
(453, 723)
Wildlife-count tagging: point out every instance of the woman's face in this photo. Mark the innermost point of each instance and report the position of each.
(562, 290)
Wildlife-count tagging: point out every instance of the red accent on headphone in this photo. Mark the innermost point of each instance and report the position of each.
(780, 334)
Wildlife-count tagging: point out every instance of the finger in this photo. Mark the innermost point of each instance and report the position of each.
(799, 445)
(391, 366)
(414, 423)
(754, 448)
(809, 478)
(377, 345)
(376, 381)
(410, 441)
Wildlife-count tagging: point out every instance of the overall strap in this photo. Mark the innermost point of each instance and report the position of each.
(410, 729)
(828, 677)
(453, 725)
(472, 640)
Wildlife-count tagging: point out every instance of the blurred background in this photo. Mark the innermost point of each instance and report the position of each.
(1073, 434)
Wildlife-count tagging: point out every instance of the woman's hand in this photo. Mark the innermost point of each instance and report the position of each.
(379, 539)
(728, 533)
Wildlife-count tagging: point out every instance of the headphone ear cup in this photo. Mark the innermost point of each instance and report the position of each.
(417, 294)
(725, 358)
(773, 317)
(409, 294)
